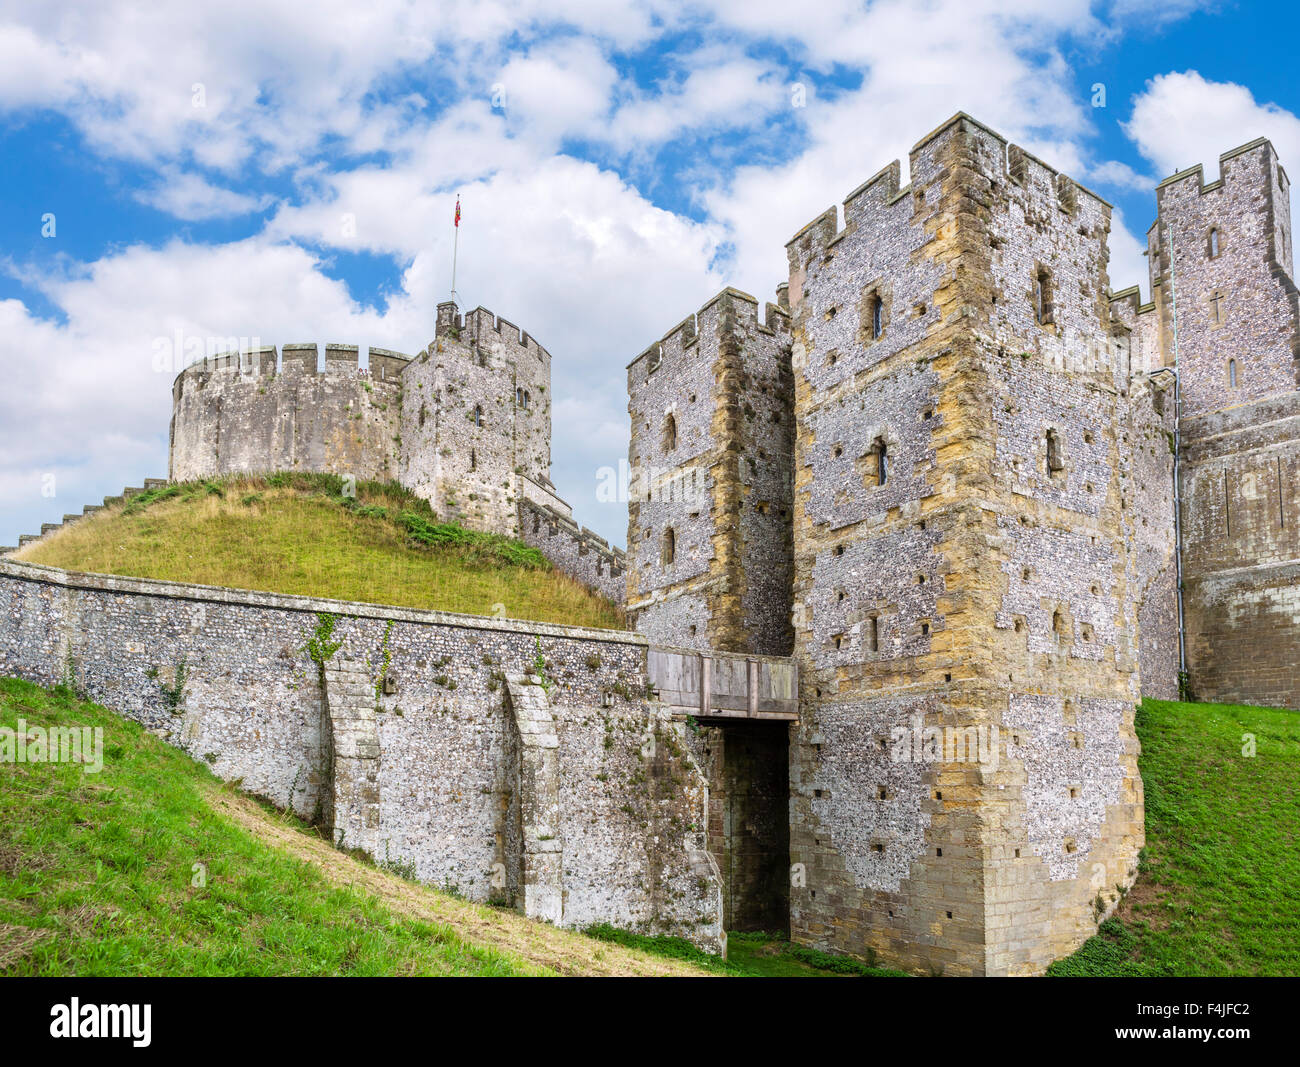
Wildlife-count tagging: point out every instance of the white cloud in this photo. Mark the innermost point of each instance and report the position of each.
(1181, 119)
(567, 249)
(191, 197)
(1128, 266)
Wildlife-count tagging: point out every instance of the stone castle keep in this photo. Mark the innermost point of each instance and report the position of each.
(466, 424)
(903, 553)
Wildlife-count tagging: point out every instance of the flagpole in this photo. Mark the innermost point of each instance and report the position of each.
(455, 251)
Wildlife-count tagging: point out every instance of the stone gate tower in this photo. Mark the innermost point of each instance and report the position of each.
(964, 776)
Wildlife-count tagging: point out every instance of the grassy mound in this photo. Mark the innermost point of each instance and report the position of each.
(1219, 888)
(98, 873)
(150, 866)
(298, 533)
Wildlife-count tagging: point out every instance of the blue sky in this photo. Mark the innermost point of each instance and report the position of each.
(618, 164)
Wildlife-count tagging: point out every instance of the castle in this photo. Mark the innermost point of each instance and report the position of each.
(905, 547)
(940, 474)
(465, 424)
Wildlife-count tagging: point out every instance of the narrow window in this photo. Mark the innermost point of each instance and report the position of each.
(669, 546)
(1058, 625)
(880, 459)
(873, 634)
(1055, 464)
(1043, 296)
(528, 400)
(1232, 373)
(478, 415)
(1214, 242)
(473, 460)
(670, 433)
(877, 317)
(519, 398)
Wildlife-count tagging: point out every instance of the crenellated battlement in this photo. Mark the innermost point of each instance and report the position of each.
(1182, 178)
(683, 336)
(300, 358)
(878, 200)
(482, 327)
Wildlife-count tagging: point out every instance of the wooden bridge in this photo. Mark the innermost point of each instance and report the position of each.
(725, 685)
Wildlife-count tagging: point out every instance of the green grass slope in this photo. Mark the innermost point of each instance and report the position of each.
(153, 867)
(97, 873)
(298, 533)
(1219, 888)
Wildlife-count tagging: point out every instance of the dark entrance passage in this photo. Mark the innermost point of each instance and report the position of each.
(749, 828)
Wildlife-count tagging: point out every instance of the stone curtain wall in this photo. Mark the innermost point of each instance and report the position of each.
(1241, 488)
(233, 413)
(574, 549)
(432, 774)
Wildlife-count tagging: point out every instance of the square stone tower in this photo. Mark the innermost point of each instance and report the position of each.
(476, 420)
(709, 511)
(1221, 271)
(965, 794)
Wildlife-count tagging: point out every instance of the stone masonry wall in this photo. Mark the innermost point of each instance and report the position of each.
(423, 771)
(712, 432)
(476, 419)
(926, 602)
(1241, 533)
(574, 550)
(234, 413)
(1223, 250)
(1240, 303)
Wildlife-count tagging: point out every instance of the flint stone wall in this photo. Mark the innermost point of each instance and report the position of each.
(428, 775)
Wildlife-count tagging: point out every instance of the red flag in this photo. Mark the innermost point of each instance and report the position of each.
(458, 212)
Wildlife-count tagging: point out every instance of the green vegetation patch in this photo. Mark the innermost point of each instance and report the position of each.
(749, 955)
(130, 872)
(326, 536)
(1218, 891)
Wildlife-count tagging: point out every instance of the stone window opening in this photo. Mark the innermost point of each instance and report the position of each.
(1055, 463)
(669, 551)
(670, 433)
(1212, 243)
(1232, 373)
(877, 318)
(873, 633)
(473, 460)
(478, 415)
(879, 461)
(1043, 297)
(1058, 627)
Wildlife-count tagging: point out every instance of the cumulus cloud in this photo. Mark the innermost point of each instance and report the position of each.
(374, 117)
(1181, 119)
(192, 197)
